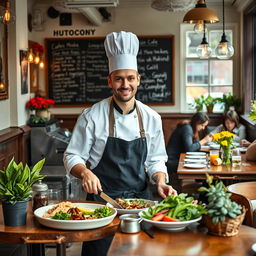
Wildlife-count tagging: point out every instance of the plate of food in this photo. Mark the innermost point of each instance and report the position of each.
(132, 205)
(75, 216)
(174, 213)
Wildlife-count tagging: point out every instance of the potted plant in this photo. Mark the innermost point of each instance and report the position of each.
(198, 103)
(16, 189)
(209, 103)
(224, 216)
(40, 106)
(229, 101)
(252, 113)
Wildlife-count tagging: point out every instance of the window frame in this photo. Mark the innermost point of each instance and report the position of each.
(188, 27)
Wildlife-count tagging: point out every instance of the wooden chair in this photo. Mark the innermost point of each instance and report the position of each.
(243, 193)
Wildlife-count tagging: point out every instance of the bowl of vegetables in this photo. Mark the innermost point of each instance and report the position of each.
(133, 205)
(174, 213)
(75, 216)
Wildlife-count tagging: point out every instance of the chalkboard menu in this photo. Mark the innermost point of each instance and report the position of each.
(77, 71)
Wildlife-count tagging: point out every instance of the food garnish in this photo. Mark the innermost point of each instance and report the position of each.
(132, 203)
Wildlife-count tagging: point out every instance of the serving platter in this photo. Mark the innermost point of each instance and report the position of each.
(133, 211)
(171, 226)
(74, 224)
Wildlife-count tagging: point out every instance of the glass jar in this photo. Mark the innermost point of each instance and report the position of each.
(40, 195)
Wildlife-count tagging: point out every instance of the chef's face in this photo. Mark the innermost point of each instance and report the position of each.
(124, 83)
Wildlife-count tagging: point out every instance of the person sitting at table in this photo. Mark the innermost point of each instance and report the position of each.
(185, 138)
(251, 152)
(231, 124)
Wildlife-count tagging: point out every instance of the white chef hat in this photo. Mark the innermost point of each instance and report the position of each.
(121, 49)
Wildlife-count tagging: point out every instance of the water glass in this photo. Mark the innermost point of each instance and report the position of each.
(54, 196)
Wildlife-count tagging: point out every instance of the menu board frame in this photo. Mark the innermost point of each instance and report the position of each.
(162, 84)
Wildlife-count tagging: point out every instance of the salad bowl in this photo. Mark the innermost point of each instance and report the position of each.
(74, 224)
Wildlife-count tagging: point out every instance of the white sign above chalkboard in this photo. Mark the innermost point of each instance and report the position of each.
(78, 68)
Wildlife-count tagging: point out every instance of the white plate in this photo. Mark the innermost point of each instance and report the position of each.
(196, 157)
(172, 226)
(132, 211)
(201, 161)
(196, 153)
(243, 149)
(214, 146)
(74, 224)
(194, 166)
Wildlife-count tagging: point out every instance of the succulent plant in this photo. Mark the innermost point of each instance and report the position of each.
(219, 205)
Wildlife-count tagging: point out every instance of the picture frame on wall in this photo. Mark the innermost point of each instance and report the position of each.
(24, 71)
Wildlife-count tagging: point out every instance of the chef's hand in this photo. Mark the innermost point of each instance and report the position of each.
(90, 182)
(165, 190)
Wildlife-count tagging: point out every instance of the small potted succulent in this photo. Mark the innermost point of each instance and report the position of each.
(224, 216)
(209, 103)
(16, 189)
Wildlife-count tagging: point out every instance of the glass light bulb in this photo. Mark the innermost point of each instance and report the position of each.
(1, 85)
(41, 64)
(200, 27)
(224, 50)
(7, 17)
(30, 56)
(204, 51)
(37, 59)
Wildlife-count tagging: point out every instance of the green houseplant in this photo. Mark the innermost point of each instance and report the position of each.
(224, 216)
(198, 103)
(209, 102)
(252, 113)
(229, 101)
(16, 189)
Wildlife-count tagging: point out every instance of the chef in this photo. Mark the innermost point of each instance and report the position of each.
(117, 144)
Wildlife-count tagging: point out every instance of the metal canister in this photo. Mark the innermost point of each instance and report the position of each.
(130, 223)
(40, 195)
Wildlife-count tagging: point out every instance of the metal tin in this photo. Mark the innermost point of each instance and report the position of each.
(130, 223)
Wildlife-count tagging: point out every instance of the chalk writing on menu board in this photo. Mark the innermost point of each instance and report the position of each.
(78, 70)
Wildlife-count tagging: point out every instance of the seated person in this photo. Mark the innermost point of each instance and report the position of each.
(231, 124)
(185, 138)
(251, 152)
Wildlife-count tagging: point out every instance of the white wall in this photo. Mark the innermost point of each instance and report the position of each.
(13, 109)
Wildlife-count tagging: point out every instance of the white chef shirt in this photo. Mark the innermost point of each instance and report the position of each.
(92, 130)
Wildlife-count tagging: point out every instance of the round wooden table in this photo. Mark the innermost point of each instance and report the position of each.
(193, 241)
(36, 235)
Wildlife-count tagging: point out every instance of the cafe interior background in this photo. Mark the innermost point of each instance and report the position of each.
(34, 23)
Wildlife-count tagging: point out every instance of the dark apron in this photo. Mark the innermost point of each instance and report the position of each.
(122, 174)
(121, 169)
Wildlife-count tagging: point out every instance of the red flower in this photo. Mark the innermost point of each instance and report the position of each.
(39, 103)
(38, 48)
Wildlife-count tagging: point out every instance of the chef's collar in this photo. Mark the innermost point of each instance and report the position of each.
(120, 110)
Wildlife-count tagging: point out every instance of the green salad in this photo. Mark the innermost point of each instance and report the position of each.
(175, 208)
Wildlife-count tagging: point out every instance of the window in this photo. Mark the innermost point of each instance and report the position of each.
(204, 76)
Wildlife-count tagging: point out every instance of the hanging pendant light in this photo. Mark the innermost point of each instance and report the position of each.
(200, 27)
(200, 13)
(224, 50)
(204, 51)
(30, 56)
(6, 16)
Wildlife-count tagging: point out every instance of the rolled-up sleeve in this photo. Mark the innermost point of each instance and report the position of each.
(78, 149)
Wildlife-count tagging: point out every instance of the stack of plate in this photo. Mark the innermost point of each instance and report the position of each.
(195, 160)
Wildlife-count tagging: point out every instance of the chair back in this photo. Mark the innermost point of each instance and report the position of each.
(247, 189)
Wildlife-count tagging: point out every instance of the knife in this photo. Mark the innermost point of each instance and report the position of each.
(110, 200)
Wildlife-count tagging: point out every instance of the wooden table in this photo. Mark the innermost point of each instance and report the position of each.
(193, 241)
(34, 233)
(246, 171)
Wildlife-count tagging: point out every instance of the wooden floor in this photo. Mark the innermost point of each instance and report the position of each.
(73, 250)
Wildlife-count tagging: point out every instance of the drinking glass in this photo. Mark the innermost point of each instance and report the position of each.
(213, 155)
(54, 196)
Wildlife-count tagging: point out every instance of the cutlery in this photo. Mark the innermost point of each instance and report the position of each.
(110, 200)
(146, 230)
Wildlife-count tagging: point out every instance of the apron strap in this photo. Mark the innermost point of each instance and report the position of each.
(112, 120)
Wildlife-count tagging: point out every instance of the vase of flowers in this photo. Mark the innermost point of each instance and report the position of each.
(40, 106)
(225, 140)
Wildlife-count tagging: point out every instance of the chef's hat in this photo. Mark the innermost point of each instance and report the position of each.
(121, 49)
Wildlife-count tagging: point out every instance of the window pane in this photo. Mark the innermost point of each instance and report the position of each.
(197, 73)
(195, 92)
(221, 72)
(215, 37)
(192, 41)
